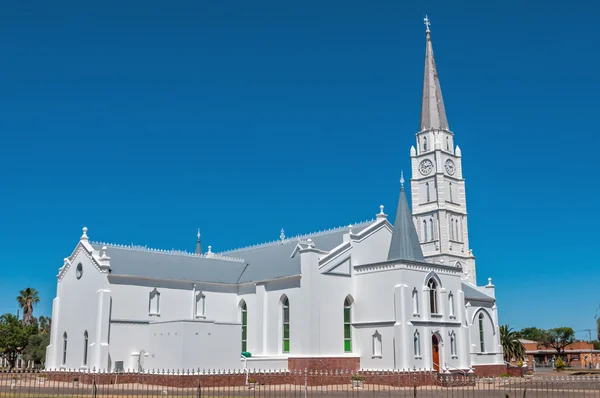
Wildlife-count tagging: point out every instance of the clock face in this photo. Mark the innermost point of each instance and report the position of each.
(426, 166)
(450, 169)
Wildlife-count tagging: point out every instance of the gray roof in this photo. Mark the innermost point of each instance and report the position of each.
(433, 112)
(405, 242)
(474, 294)
(262, 262)
(159, 265)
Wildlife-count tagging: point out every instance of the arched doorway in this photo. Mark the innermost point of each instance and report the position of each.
(435, 352)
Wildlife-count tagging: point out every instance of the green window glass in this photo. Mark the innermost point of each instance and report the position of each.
(286, 324)
(481, 337)
(347, 326)
(244, 326)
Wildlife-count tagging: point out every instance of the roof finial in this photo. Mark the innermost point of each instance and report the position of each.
(282, 235)
(427, 23)
(84, 236)
(198, 233)
(402, 179)
(198, 250)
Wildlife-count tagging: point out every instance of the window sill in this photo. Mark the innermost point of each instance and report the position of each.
(454, 356)
(418, 357)
(452, 317)
(416, 315)
(200, 316)
(377, 356)
(153, 314)
(436, 315)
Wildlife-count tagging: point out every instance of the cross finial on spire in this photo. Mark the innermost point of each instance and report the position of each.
(427, 23)
(198, 233)
(402, 179)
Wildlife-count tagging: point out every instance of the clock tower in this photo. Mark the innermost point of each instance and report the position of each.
(439, 205)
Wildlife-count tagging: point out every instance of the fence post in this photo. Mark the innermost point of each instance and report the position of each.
(199, 377)
(94, 387)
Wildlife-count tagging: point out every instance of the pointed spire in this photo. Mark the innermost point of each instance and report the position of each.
(405, 242)
(433, 113)
(198, 244)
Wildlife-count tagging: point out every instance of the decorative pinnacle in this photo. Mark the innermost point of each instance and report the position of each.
(402, 179)
(210, 249)
(84, 236)
(350, 228)
(381, 209)
(198, 233)
(282, 235)
(427, 23)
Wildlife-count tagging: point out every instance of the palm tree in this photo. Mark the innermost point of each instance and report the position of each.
(511, 345)
(27, 299)
(44, 324)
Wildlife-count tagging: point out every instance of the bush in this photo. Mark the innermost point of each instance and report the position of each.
(504, 375)
(357, 377)
(520, 363)
(251, 380)
(560, 364)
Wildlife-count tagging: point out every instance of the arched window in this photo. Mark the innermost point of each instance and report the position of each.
(427, 191)
(453, 344)
(433, 305)
(451, 304)
(447, 143)
(424, 143)
(451, 228)
(85, 348)
(64, 358)
(244, 311)
(415, 301)
(285, 309)
(450, 191)
(425, 239)
(154, 304)
(481, 336)
(347, 325)
(431, 237)
(417, 344)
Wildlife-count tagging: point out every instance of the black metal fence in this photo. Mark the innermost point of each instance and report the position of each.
(299, 384)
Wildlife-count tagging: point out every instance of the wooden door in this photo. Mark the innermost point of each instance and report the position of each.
(435, 353)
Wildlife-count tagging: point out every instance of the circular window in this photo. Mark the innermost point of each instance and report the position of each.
(79, 271)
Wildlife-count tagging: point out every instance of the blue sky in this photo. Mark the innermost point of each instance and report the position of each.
(146, 120)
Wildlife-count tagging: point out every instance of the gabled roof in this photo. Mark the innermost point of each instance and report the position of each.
(472, 293)
(251, 264)
(405, 242)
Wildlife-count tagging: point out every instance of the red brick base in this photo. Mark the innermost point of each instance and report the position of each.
(490, 370)
(324, 363)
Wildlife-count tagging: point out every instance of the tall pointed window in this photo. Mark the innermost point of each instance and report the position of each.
(431, 237)
(154, 304)
(285, 307)
(200, 305)
(453, 344)
(450, 191)
(427, 191)
(451, 304)
(417, 344)
(447, 143)
(481, 336)
(451, 228)
(377, 345)
(425, 238)
(347, 325)
(244, 311)
(424, 143)
(415, 301)
(64, 357)
(85, 348)
(433, 305)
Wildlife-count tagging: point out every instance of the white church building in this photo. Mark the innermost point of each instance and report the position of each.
(373, 295)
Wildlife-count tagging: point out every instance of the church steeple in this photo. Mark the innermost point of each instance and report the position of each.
(198, 244)
(405, 242)
(433, 113)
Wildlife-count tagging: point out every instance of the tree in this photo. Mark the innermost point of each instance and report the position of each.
(36, 348)
(45, 324)
(14, 337)
(558, 339)
(27, 299)
(532, 333)
(511, 345)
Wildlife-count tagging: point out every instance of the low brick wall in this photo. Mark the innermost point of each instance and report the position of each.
(320, 363)
(497, 370)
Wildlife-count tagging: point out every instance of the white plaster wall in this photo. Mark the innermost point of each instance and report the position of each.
(273, 321)
(74, 312)
(363, 340)
(126, 339)
(493, 349)
(374, 247)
